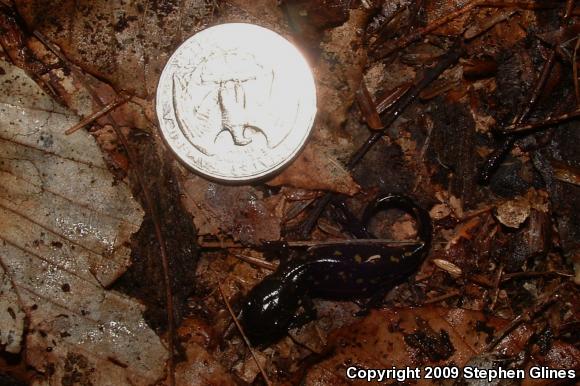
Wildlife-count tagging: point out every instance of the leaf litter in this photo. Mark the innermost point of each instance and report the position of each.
(499, 248)
(64, 239)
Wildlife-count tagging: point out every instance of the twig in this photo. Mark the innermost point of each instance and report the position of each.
(148, 203)
(318, 243)
(203, 244)
(311, 243)
(474, 32)
(246, 340)
(258, 262)
(404, 101)
(389, 100)
(518, 275)
(495, 159)
(496, 289)
(446, 296)
(542, 124)
(162, 250)
(524, 317)
(368, 108)
(575, 71)
(418, 35)
(118, 101)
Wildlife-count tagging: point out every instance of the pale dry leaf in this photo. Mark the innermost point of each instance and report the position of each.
(200, 369)
(439, 211)
(315, 169)
(11, 316)
(448, 266)
(63, 239)
(514, 212)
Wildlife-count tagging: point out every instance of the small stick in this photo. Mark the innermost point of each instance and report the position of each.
(475, 213)
(575, 71)
(368, 108)
(430, 74)
(496, 284)
(259, 262)
(312, 243)
(522, 318)
(474, 32)
(148, 203)
(389, 100)
(44, 40)
(542, 124)
(118, 101)
(497, 156)
(443, 297)
(246, 340)
(480, 280)
(515, 275)
(203, 244)
(413, 37)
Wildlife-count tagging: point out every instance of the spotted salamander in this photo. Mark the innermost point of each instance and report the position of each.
(350, 271)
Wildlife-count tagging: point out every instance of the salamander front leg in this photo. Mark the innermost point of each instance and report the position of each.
(375, 301)
(307, 315)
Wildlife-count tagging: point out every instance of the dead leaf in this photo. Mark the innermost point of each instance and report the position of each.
(201, 369)
(118, 42)
(237, 211)
(448, 267)
(513, 213)
(315, 169)
(418, 337)
(65, 231)
(11, 317)
(338, 76)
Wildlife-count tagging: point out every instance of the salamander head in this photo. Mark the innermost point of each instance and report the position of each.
(269, 309)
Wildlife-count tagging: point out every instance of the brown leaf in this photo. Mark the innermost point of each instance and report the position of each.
(64, 238)
(315, 169)
(201, 369)
(385, 339)
(237, 211)
(119, 42)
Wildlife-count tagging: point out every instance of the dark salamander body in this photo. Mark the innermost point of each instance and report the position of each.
(339, 272)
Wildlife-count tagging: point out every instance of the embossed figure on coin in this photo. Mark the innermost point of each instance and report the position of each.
(226, 107)
(236, 102)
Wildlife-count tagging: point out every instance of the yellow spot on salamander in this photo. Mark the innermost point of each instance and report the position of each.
(394, 259)
(358, 258)
(337, 253)
(373, 258)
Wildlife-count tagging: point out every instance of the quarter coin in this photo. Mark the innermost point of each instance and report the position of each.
(236, 102)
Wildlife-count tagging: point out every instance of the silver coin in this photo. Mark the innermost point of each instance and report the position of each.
(236, 102)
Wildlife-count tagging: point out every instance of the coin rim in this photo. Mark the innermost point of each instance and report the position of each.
(278, 167)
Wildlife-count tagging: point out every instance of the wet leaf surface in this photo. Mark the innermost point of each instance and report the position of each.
(497, 285)
(64, 239)
(419, 337)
